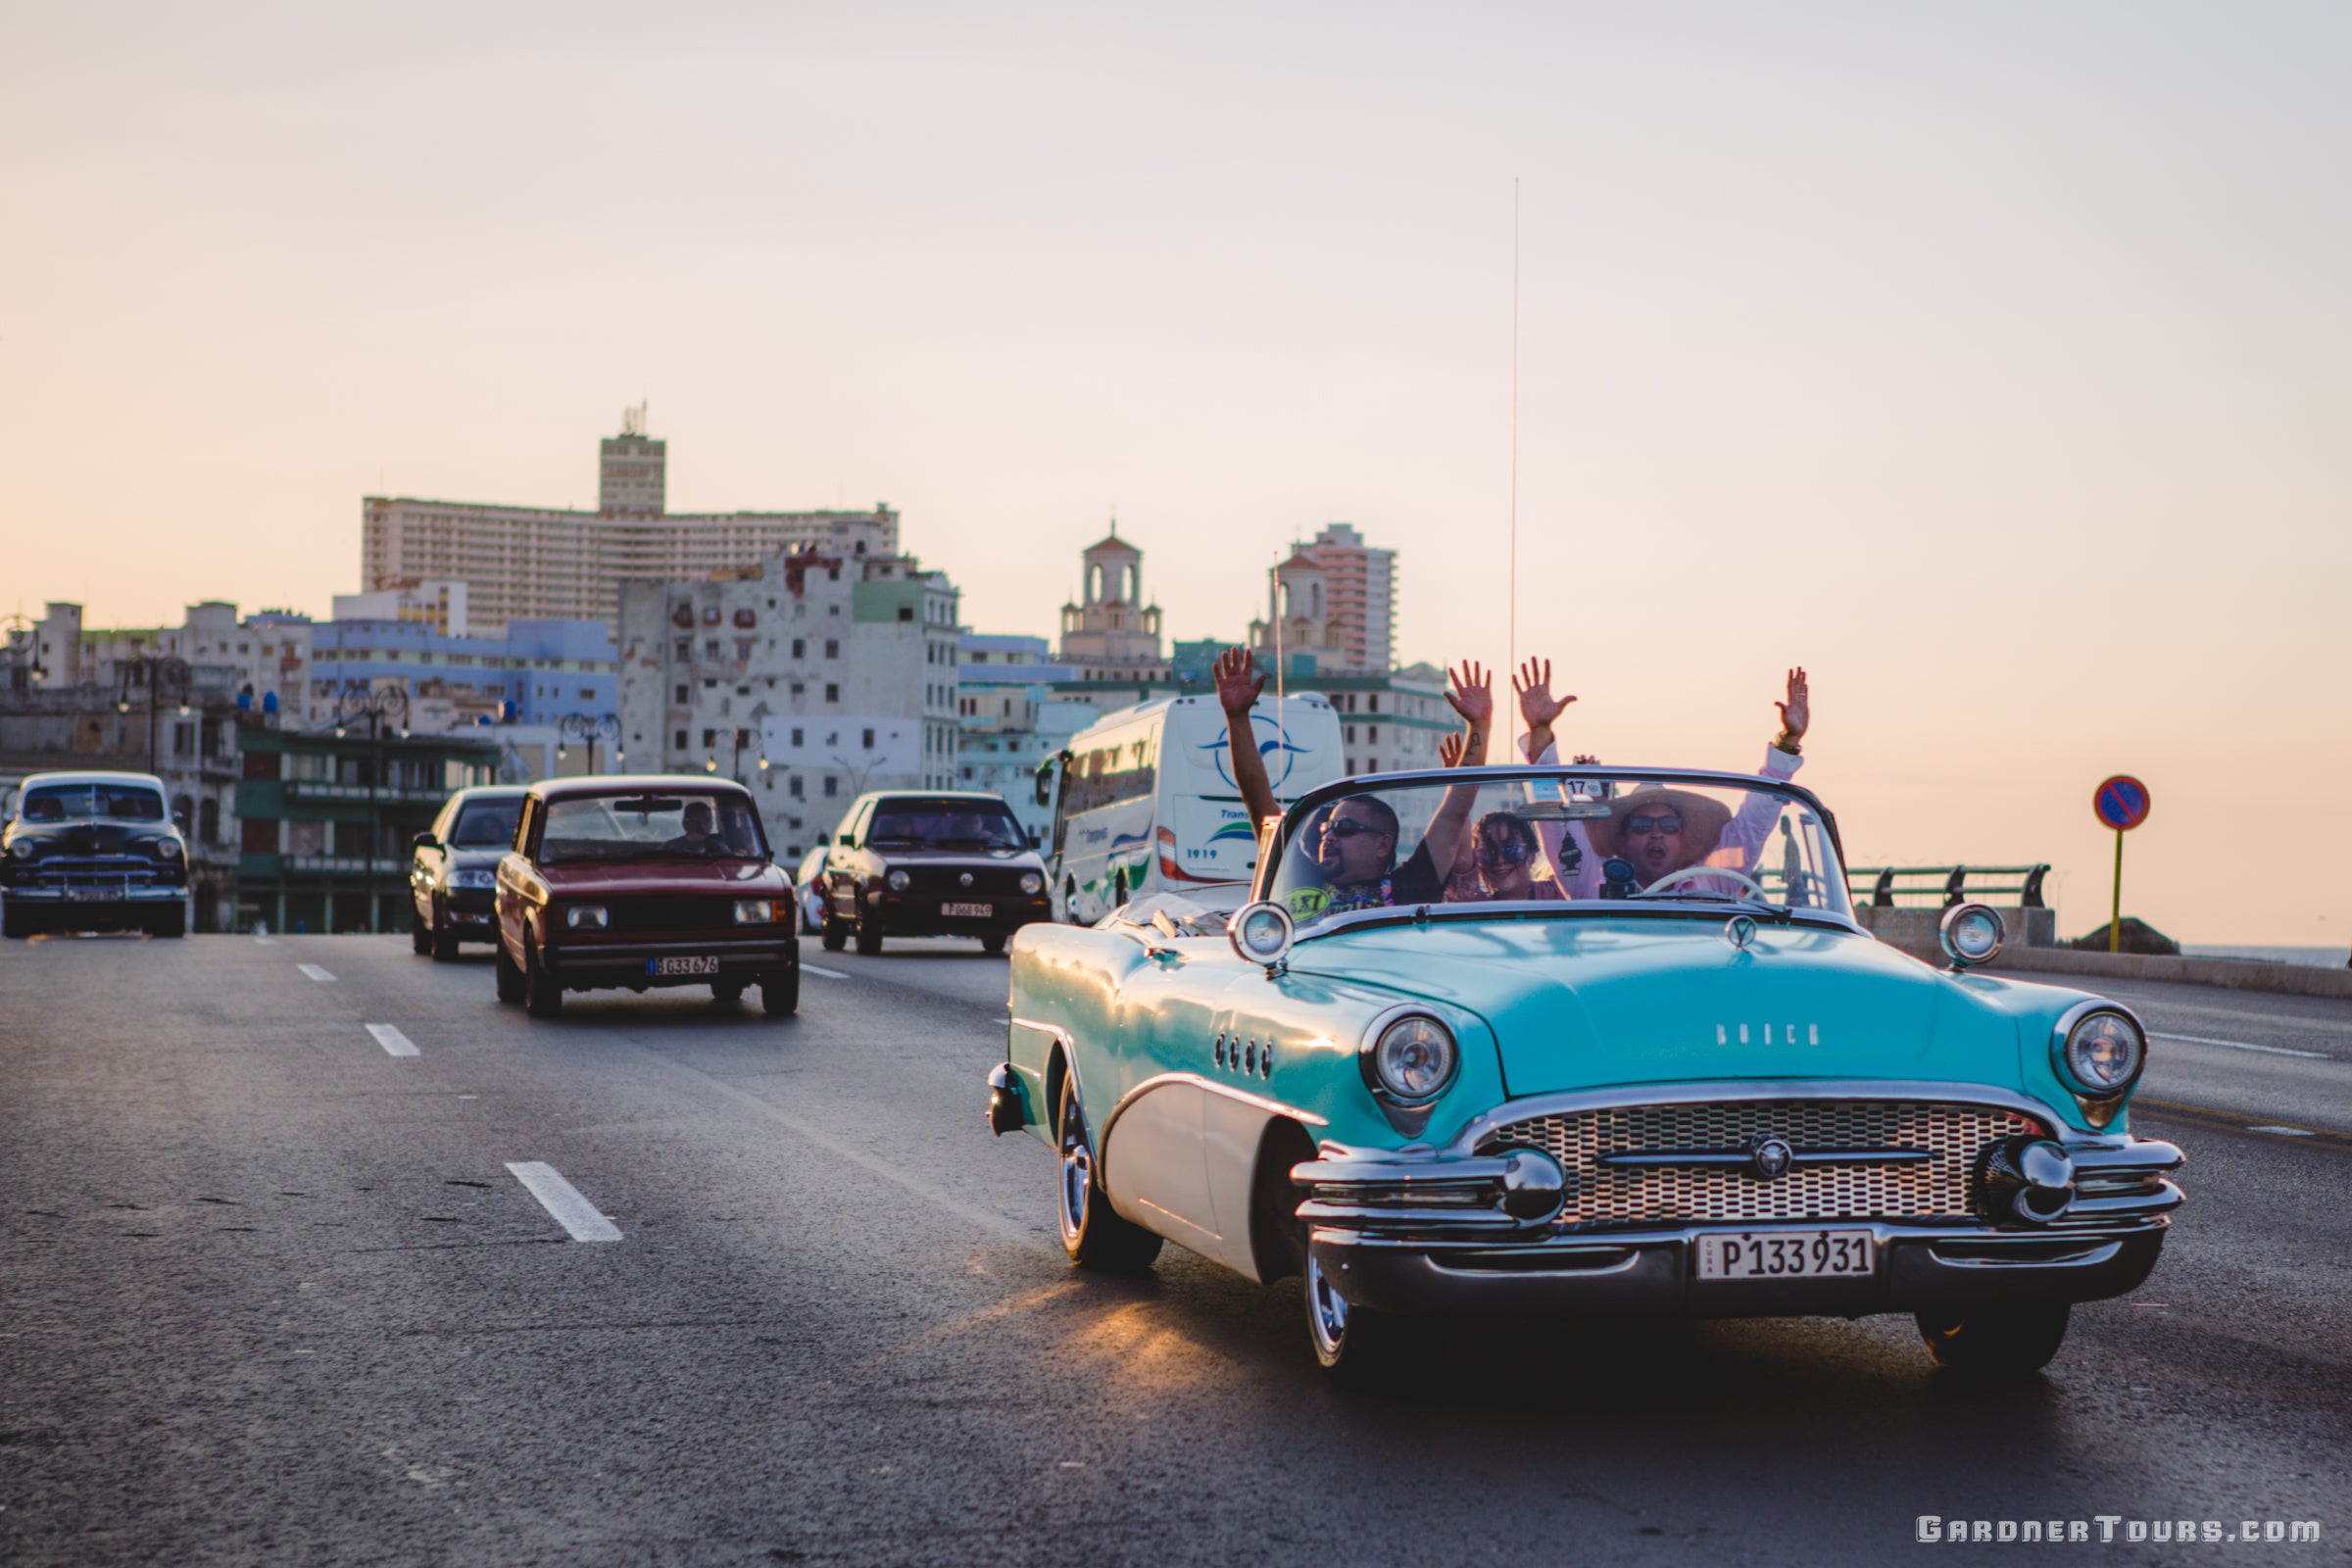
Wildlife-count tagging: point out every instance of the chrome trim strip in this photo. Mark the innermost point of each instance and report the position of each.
(1882, 1232)
(1521, 910)
(1707, 1159)
(1059, 1036)
(1273, 1108)
(1570, 1103)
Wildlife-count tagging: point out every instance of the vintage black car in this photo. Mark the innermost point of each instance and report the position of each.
(934, 863)
(93, 852)
(453, 870)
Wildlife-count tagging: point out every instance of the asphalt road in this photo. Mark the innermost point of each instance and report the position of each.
(270, 1292)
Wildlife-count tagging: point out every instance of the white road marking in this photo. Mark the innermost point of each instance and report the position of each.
(2284, 1131)
(395, 1042)
(315, 972)
(560, 1198)
(2246, 1045)
(822, 974)
(264, 942)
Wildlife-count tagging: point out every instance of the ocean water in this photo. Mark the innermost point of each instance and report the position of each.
(2311, 957)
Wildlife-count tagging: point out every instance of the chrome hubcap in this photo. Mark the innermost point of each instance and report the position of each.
(1077, 1178)
(1325, 1310)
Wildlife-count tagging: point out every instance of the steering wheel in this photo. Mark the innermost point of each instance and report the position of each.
(1692, 873)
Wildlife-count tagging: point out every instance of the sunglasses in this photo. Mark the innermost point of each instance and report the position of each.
(1348, 827)
(1668, 823)
(1510, 854)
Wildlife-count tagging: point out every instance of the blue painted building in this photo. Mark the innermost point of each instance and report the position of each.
(538, 672)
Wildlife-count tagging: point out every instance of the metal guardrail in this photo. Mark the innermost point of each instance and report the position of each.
(1951, 883)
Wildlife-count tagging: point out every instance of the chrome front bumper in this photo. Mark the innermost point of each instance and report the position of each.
(1429, 1232)
(95, 895)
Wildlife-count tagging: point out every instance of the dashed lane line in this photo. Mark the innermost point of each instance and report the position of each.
(395, 1042)
(821, 973)
(2243, 1045)
(565, 1201)
(264, 942)
(315, 972)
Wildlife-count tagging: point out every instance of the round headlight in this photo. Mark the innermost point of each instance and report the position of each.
(898, 881)
(2102, 1052)
(24, 849)
(165, 849)
(1031, 882)
(1971, 934)
(1414, 1058)
(1262, 932)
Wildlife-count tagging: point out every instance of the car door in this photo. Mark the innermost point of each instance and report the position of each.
(1164, 1028)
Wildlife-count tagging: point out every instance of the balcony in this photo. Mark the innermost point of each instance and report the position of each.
(320, 789)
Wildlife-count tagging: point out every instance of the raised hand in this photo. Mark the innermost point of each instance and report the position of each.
(1473, 693)
(1537, 705)
(1797, 711)
(1451, 749)
(1238, 681)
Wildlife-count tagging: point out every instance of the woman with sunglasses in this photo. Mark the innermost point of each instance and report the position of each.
(1502, 862)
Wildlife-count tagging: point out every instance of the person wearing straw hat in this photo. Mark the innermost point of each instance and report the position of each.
(1655, 829)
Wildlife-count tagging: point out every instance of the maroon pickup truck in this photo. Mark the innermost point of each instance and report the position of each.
(636, 882)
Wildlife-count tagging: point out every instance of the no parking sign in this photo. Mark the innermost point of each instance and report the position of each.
(2122, 803)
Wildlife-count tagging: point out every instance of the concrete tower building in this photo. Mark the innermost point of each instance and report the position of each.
(1359, 596)
(632, 469)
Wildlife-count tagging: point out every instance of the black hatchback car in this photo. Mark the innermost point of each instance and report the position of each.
(936, 862)
(453, 869)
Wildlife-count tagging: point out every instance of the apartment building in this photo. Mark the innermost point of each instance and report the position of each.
(810, 677)
(551, 563)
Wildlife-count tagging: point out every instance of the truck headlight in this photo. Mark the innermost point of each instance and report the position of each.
(897, 881)
(587, 917)
(755, 911)
(1031, 882)
(1413, 1058)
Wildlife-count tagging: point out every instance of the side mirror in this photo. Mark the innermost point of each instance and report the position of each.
(424, 841)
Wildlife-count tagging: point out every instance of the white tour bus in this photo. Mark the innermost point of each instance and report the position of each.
(1146, 798)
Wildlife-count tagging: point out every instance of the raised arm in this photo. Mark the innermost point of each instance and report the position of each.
(1472, 697)
(1538, 706)
(1238, 686)
(1750, 828)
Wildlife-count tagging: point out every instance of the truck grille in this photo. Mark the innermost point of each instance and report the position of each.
(92, 871)
(1937, 1188)
(947, 881)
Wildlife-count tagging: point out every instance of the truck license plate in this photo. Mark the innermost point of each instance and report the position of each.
(1785, 1254)
(682, 966)
(967, 912)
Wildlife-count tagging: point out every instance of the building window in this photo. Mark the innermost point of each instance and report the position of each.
(685, 650)
(710, 739)
(869, 742)
(905, 611)
(799, 648)
(832, 648)
(710, 648)
(1373, 702)
(832, 786)
(797, 742)
(832, 693)
(794, 788)
(1373, 735)
(684, 695)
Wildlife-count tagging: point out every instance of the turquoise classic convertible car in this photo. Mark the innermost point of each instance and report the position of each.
(1626, 1052)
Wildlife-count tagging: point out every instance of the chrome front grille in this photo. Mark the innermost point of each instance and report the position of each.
(1936, 1187)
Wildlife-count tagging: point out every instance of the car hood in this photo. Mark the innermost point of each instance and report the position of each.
(650, 877)
(1586, 1002)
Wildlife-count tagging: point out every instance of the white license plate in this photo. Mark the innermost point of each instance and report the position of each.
(967, 912)
(682, 966)
(1786, 1254)
(89, 895)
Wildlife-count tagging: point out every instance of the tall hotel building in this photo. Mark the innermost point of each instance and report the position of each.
(542, 563)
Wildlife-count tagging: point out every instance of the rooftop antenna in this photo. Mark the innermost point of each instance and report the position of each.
(632, 420)
(1511, 665)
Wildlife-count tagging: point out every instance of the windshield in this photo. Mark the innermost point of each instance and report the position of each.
(83, 803)
(486, 824)
(651, 827)
(945, 825)
(1559, 836)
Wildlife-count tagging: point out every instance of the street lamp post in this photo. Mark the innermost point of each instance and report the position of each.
(579, 727)
(375, 708)
(154, 671)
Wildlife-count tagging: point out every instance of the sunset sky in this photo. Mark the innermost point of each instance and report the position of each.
(1993, 362)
